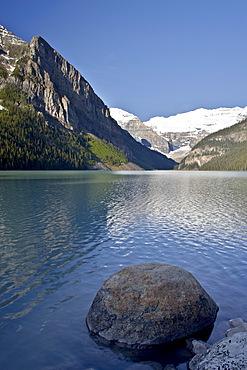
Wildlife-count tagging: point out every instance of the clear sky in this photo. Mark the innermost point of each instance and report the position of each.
(149, 57)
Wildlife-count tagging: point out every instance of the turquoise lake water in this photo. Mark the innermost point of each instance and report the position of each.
(62, 234)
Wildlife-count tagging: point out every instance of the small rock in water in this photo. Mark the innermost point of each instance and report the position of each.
(150, 304)
(197, 346)
(237, 325)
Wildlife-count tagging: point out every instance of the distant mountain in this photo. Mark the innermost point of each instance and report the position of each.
(186, 129)
(139, 131)
(53, 96)
(12, 48)
(176, 135)
(224, 150)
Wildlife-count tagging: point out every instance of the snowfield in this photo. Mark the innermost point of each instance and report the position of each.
(122, 116)
(209, 120)
(188, 127)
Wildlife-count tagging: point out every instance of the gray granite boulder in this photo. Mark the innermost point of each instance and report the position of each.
(228, 354)
(149, 304)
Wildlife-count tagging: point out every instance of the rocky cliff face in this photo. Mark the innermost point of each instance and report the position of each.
(145, 135)
(55, 88)
(11, 49)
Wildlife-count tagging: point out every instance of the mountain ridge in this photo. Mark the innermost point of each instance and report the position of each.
(225, 150)
(210, 120)
(187, 129)
(57, 90)
(141, 133)
(184, 130)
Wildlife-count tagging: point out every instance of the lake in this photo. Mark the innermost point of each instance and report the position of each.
(63, 234)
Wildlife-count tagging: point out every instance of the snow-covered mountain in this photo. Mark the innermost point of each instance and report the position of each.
(122, 117)
(141, 133)
(184, 130)
(209, 120)
(11, 47)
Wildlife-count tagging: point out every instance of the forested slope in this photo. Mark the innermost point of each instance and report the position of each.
(73, 120)
(28, 142)
(224, 150)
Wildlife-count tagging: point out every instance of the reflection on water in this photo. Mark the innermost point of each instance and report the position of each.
(63, 233)
(176, 353)
(46, 229)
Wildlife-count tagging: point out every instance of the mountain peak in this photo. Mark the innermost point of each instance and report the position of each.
(141, 133)
(202, 119)
(122, 115)
(7, 37)
(64, 98)
(11, 49)
(181, 131)
(39, 42)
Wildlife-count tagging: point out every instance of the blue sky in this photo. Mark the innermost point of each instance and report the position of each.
(149, 57)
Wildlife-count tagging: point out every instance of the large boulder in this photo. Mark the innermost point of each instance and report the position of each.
(228, 354)
(150, 304)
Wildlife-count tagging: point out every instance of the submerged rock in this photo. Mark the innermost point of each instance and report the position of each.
(150, 304)
(197, 346)
(146, 365)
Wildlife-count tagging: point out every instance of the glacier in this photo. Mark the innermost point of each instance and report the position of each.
(184, 130)
(202, 119)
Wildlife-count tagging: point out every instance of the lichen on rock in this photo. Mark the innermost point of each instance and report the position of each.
(227, 354)
(150, 304)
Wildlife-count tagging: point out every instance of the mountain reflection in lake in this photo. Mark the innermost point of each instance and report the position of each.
(63, 233)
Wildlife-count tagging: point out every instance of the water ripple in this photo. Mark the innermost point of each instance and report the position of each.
(62, 236)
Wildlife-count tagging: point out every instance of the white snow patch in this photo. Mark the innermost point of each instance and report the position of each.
(11, 69)
(182, 150)
(139, 140)
(210, 120)
(121, 115)
(14, 39)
